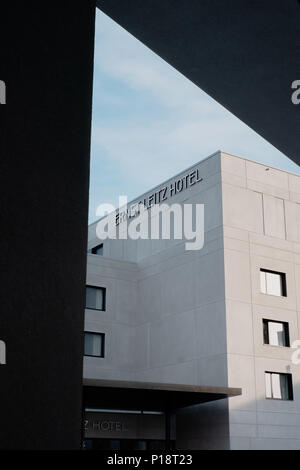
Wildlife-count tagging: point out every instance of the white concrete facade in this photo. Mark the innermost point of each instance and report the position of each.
(196, 317)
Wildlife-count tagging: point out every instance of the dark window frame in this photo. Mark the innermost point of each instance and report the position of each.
(102, 354)
(103, 309)
(282, 279)
(266, 333)
(94, 249)
(290, 386)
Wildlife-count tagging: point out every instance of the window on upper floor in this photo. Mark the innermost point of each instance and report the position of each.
(279, 386)
(95, 298)
(97, 250)
(276, 333)
(272, 283)
(94, 344)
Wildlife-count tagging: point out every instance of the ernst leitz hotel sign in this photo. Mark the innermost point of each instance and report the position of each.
(124, 425)
(160, 195)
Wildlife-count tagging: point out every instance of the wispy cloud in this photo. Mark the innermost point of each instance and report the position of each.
(150, 122)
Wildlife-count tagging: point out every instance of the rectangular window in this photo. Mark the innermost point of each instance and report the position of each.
(276, 333)
(94, 344)
(95, 298)
(97, 250)
(272, 283)
(279, 386)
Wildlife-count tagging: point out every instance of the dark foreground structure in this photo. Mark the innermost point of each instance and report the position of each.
(46, 62)
(245, 54)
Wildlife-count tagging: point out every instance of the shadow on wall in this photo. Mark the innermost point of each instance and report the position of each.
(261, 424)
(204, 426)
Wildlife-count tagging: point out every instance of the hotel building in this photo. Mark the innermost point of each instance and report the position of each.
(191, 349)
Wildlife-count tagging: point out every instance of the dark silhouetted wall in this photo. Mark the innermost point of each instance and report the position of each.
(46, 61)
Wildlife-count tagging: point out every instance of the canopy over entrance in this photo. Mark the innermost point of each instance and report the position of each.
(150, 396)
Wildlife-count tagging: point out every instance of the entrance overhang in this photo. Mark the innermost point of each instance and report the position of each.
(149, 395)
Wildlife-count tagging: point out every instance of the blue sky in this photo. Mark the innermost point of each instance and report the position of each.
(150, 122)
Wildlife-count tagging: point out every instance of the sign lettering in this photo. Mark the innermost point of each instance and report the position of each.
(160, 195)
